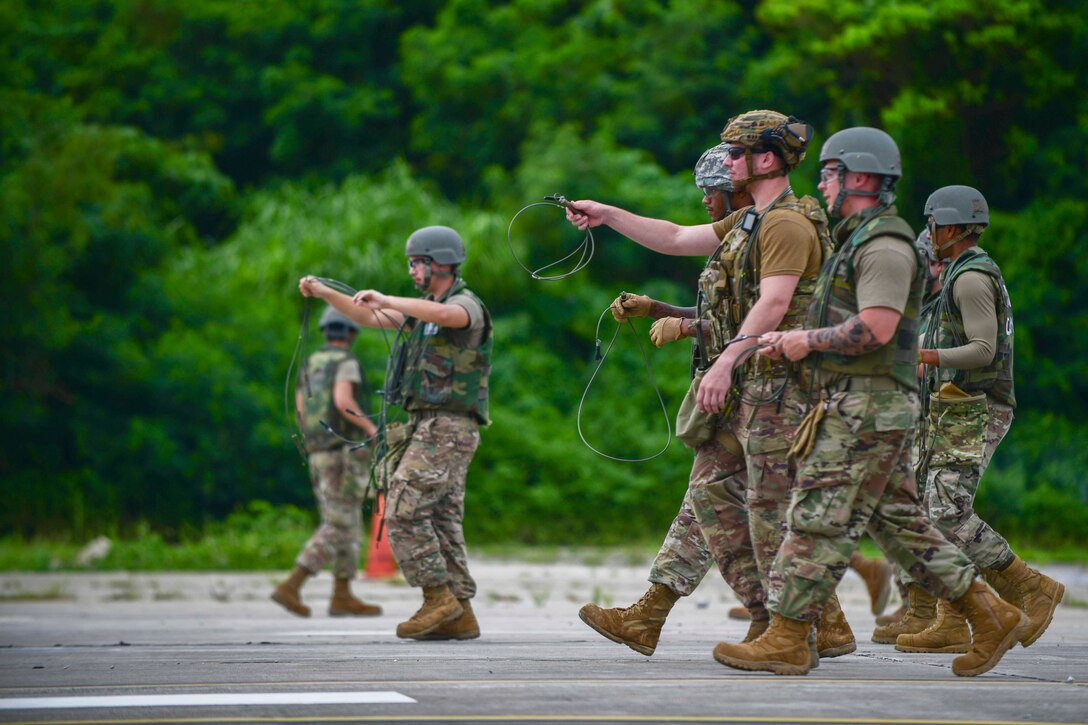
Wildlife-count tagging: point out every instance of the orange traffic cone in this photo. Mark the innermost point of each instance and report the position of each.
(380, 563)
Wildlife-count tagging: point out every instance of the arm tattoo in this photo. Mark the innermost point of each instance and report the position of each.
(660, 309)
(852, 337)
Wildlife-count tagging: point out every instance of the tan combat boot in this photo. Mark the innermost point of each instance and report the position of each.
(995, 627)
(877, 575)
(464, 627)
(892, 617)
(834, 637)
(756, 629)
(637, 626)
(288, 594)
(1037, 595)
(921, 611)
(948, 633)
(783, 649)
(439, 607)
(740, 613)
(343, 604)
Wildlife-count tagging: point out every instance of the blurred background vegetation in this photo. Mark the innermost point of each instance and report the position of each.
(168, 170)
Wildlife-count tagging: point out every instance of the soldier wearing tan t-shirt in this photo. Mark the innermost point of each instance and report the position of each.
(762, 266)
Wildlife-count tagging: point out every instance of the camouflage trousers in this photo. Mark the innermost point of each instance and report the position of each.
(714, 520)
(859, 478)
(966, 436)
(425, 504)
(339, 480)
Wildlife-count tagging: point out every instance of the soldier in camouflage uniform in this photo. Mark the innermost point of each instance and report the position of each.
(443, 385)
(762, 268)
(968, 353)
(330, 418)
(853, 446)
(684, 558)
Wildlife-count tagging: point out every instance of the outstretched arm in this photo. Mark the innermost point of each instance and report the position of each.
(443, 314)
(656, 234)
(309, 286)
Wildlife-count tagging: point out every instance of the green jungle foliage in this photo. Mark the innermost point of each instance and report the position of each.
(169, 170)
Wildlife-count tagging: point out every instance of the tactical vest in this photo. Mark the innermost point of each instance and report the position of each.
(729, 283)
(836, 301)
(318, 405)
(946, 326)
(440, 375)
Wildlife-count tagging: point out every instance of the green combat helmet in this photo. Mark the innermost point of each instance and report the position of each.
(957, 205)
(864, 150)
(441, 244)
(710, 171)
(336, 325)
(762, 131)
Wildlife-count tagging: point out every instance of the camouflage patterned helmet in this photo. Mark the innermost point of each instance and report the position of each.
(333, 316)
(770, 130)
(958, 205)
(441, 244)
(925, 246)
(710, 171)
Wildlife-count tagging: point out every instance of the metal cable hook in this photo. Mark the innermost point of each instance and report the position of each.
(586, 248)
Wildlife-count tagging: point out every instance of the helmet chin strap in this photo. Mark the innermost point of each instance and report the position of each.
(752, 176)
(967, 231)
(886, 195)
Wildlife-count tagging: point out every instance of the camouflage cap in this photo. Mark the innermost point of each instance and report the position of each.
(710, 171)
(787, 135)
(925, 246)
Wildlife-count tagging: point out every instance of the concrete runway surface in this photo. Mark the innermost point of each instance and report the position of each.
(212, 648)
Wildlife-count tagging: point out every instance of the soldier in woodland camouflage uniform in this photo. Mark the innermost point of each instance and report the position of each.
(444, 387)
(853, 446)
(330, 419)
(763, 264)
(968, 354)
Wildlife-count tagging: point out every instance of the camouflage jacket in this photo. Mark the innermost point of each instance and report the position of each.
(318, 404)
(441, 375)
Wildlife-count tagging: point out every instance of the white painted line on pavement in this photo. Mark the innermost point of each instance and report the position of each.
(241, 698)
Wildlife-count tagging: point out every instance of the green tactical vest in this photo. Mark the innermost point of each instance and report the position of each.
(729, 283)
(946, 330)
(441, 375)
(321, 370)
(836, 301)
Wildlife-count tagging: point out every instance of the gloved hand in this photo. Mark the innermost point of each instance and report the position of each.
(629, 305)
(667, 329)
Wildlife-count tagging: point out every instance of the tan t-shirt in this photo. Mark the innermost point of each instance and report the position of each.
(788, 243)
(349, 371)
(473, 335)
(884, 268)
(973, 292)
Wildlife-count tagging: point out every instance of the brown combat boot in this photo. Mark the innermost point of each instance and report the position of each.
(637, 626)
(948, 633)
(343, 604)
(288, 594)
(740, 613)
(439, 607)
(877, 575)
(756, 629)
(783, 649)
(834, 637)
(921, 611)
(996, 626)
(1037, 595)
(464, 627)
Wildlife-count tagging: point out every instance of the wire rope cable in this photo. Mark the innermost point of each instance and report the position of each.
(585, 249)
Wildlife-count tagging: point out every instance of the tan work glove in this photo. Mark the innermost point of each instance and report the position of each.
(667, 329)
(628, 305)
